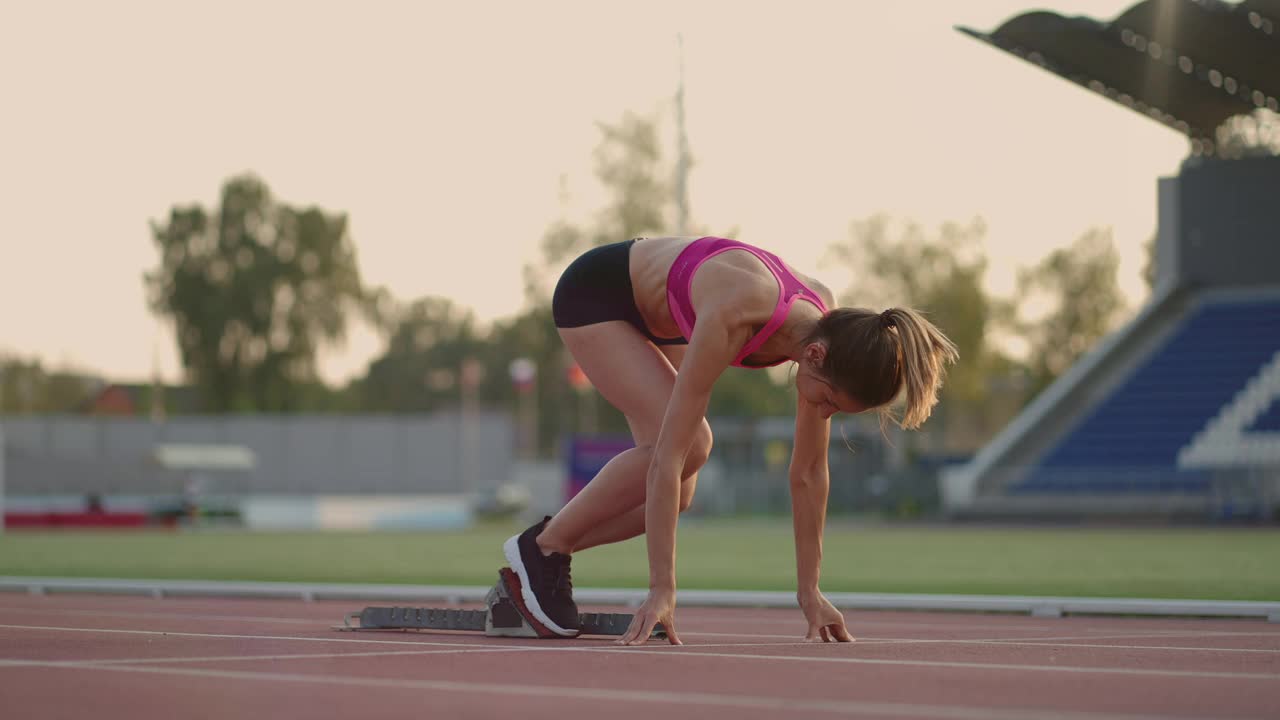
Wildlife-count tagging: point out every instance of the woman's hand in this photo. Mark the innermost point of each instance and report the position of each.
(825, 620)
(659, 607)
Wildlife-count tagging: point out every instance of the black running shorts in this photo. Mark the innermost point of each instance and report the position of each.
(596, 288)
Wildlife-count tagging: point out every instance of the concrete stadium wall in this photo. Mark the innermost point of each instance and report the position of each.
(296, 454)
(1219, 224)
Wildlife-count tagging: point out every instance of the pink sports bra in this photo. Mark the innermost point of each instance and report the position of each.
(680, 281)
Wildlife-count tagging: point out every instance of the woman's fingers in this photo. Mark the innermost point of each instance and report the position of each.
(841, 633)
(831, 632)
(670, 625)
(633, 629)
(646, 629)
(641, 629)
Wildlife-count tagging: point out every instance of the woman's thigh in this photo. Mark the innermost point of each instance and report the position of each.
(628, 370)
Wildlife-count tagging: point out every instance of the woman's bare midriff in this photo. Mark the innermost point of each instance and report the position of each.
(651, 260)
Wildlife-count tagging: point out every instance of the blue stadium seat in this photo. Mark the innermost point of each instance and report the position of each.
(1130, 442)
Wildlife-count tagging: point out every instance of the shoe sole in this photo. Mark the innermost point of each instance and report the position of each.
(511, 548)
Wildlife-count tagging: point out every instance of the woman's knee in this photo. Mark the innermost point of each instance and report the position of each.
(699, 451)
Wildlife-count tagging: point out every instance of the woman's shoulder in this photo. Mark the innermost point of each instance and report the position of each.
(816, 285)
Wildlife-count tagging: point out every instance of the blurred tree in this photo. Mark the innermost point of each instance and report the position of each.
(426, 343)
(27, 388)
(253, 289)
(1149, 263)
(1078, 285)
(628, 163)
(941, 275)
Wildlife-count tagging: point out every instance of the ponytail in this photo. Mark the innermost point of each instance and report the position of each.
(875, 357)
(923, 354)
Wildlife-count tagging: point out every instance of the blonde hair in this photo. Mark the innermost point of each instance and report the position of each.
(875, 357)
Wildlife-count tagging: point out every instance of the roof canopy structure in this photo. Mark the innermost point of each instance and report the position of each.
(1189, 64)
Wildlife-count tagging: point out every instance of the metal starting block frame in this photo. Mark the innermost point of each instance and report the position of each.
(503, 617)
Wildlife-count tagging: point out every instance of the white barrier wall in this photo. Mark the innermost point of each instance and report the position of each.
(356, 512)
(295, 454)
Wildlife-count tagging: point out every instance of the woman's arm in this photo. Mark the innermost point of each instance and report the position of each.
(810, 484)
(712, 348)
(708, 355)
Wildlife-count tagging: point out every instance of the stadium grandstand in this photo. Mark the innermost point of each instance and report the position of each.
(1178, 413)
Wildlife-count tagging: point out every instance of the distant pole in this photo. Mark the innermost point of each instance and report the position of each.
(682, 149)
(524, 376)
(470, 374)
(156, 409)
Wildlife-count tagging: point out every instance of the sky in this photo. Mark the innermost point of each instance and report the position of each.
(444, 130)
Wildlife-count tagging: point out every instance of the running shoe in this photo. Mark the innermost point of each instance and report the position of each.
(545, 585)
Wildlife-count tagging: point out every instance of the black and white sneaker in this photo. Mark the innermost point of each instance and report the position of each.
(545, 585)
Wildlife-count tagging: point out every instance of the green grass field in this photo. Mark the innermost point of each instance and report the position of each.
(1229, 563)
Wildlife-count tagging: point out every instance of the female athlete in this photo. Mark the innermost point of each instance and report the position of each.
(653, 322)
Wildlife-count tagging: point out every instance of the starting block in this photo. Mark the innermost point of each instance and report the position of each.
(504, 616)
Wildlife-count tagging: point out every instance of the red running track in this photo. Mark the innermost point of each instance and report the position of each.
(102, 657)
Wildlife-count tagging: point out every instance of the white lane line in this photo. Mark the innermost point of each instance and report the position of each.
(854, 619)
(676, 652)
(176, 616)
(794, 642)
(257, 637)
(692, 651)
(297, 621)
(18, 662)
(608, 644)
(350, 639)
(1139, 647)
(992, 642)
(796, 637)
(790, 706)
(983, 641)
(1185, 633)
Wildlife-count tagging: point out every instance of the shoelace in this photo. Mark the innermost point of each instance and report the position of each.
(563, 583)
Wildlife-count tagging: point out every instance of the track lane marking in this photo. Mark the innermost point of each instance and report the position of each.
(798, 637)
(961, 665)
(20, 662)
(864, 639)
(787, 705)
(251, 637)
(691, 651)
(795, 640)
